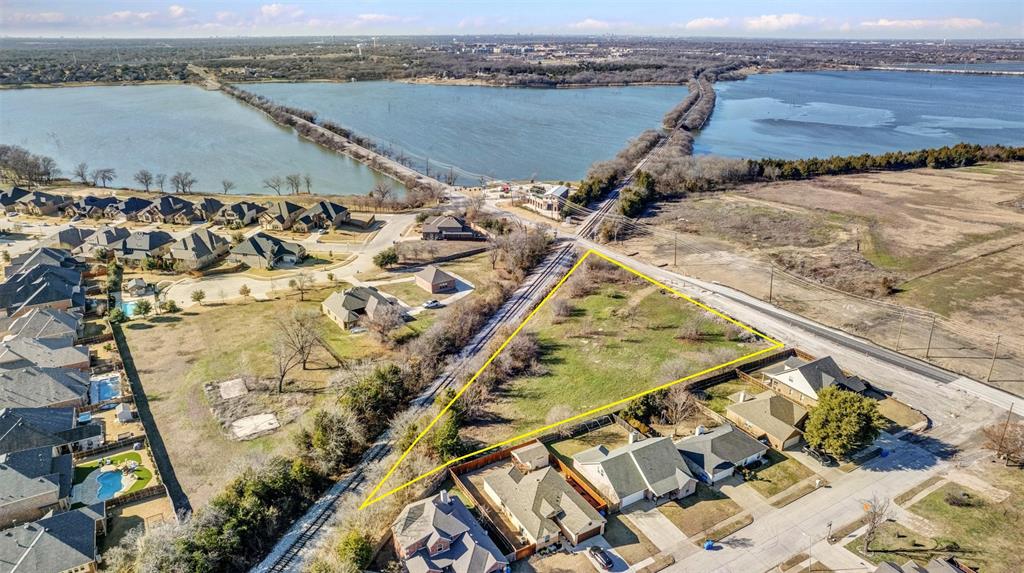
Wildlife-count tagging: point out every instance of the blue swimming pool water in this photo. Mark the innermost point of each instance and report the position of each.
(129, 308)
(110, 484)
(105, 388)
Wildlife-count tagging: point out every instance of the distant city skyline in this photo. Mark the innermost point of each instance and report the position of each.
(839, 19)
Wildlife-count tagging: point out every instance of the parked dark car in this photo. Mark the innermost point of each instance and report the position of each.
(822, 458)
(601, 556)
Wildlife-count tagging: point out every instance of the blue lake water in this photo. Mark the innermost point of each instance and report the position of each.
(109, 484)
(170, 128)
(504, 133)
(792, 115)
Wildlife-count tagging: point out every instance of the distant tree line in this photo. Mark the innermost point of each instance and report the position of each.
(604, 175)
(19, 166)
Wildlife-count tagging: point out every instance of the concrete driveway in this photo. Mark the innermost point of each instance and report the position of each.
(619, 564)
(659, 529)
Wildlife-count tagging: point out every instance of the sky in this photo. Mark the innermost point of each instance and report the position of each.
(853, 19)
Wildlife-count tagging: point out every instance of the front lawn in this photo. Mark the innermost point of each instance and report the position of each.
(781, 473)
(627, 540)
(408, 292)
(701, 511)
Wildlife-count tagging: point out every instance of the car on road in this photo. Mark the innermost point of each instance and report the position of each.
(432, 304)
(601, 556)
(821, 457)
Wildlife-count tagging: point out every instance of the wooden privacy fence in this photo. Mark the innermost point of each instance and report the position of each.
(158, 490)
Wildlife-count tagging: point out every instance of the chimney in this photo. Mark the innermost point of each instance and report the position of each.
(634, 437)
(699, 430)
(445, 499)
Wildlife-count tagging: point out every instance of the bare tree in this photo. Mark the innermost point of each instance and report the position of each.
(308, 182)
(302, 283)
(450, 178)
(301, 333)
(284, 359)
(381, 194)
(159, 181)
(556, 414)
(274, 184)
(876, 512)
(81, 171)
(103, 176)
(386, 318)
(679, 404)
(1006, 439)
(183, 181)
(227, 185)
(294, 182)
(144, 178)
(493, 254)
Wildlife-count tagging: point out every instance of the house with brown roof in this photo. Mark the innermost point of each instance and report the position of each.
(433, 280)
(449, 228)
(280, 215)
(39, 203)
(439, 534)
(768, 415)
(346, 307)
(198, 250)
(322, 215)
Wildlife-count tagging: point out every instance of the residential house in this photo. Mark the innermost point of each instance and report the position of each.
(948, 564)
(262, 251)
(449, 228)
(69, 238)
(9, 198)
(32, 482)
(35, 387)
(438, 534)
(768, 415)
(800, 380)
(650, 469)
(42, 286)
(346, 307)
(199, 249)
(58, 428)
(206, 209)
(136, 286)
(434, 280)
(89, 207)
(713, 455)
(322, 215)
(168, 209)
(47, 324)
(239, 214)
(20, 352)
(531, 457)
(280, 215)
(142, 245)
(103, 240)
(48, 256)
(39, 203)
(542, 506)
(548, 201)
(128, 208)
(62, 542)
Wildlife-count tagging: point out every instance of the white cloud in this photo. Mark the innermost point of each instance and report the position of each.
(176, 11)
(590, 24)
(376, 19)
(123, 16)
(706, 23)
(776, 22)
(280, 11)
(923, 24)
(34, 17)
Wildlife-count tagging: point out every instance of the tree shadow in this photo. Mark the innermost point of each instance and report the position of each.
(911, 452)
(139, 326)
(162, 319)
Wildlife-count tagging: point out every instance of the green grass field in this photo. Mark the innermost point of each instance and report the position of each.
(621, 340)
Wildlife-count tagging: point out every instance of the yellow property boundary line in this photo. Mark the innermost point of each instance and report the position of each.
(372, 497)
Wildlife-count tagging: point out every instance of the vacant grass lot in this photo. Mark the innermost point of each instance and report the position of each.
(623, 338)
(700, 511)
(176, 355)
(409, 293)
(782, 473)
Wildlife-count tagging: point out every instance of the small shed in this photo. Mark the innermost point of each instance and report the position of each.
(531, 457)
(136, 286)
(434, 280)
(124, 413)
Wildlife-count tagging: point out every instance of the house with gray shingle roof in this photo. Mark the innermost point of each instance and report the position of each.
(42, 256)
(439, 534)
(713, 455)
(322, 215)
(346, 307)
(199, 249)
(140, 245)
(10, 197)
(57, 428)
(128, 208)
(32, 482)
(801, 380)
(47, 324)
(39, 203)
(449, 228)
(168, 209)
(69, 238)
(104, 238)
(649, 469)
(263, 251)
(62, 542)
(89, 207)
(542, 506)
(768, 415)
(280, 215)
(19, 352)
(42, 286)
(35, 387)
(239, 214)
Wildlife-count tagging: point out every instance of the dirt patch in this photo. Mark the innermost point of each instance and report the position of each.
(241, 405)
(254, 426)
(232, 388)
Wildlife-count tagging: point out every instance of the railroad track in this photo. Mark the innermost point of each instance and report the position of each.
(290, 552)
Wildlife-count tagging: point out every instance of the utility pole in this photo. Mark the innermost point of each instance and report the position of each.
(771, 285)
(928, 350)
(899, 334)
(1006, 425)
(675, 249)
(992, 365)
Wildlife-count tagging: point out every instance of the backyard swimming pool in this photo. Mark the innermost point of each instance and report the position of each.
(110, 483)
(105, 387)
(129, 308)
